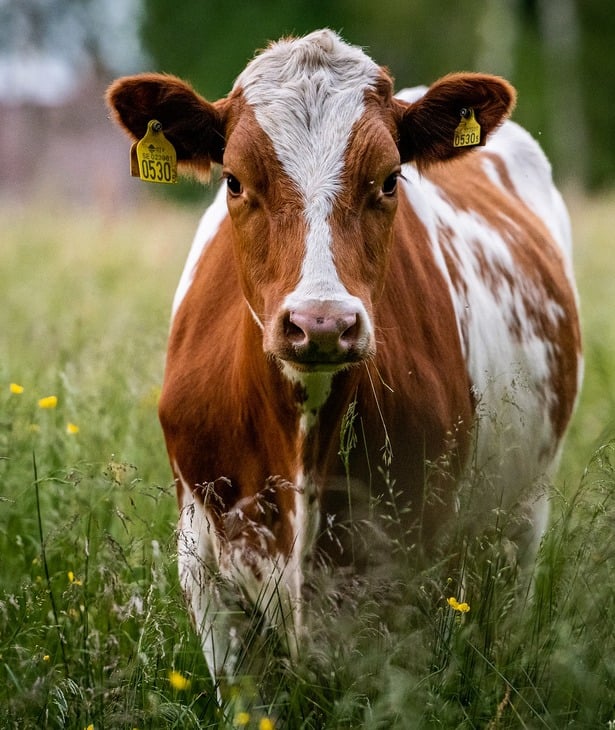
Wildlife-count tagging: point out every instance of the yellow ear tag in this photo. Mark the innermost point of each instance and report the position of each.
(153, 158)
(467, 133)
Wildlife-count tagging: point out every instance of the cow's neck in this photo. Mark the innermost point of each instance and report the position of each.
(322, 401)
(312, 391)
(318, 401)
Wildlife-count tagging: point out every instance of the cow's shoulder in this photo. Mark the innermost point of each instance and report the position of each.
(208, 227)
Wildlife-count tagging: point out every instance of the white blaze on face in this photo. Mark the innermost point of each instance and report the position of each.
(307, 94)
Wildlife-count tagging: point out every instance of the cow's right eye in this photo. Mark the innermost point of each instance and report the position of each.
(233, 185)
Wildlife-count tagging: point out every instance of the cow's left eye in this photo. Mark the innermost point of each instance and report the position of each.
(389, 186)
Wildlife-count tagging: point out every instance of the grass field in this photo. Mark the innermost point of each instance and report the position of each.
(93, 632)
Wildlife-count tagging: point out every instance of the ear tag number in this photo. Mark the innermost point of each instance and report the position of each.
(467, 133)
(153, 158)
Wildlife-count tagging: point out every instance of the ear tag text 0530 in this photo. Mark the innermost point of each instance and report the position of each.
(467, 133)
(153, 158)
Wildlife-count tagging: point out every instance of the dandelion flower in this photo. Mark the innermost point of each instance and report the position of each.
(72, 580)
(242, 719)
(16, 388)
(266, 724)
(46, 658)
(72, 429)
(456, 606)
(178, 681)
(51, 401)
(89, 727)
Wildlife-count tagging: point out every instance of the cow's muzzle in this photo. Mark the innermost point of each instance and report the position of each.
(320, 335)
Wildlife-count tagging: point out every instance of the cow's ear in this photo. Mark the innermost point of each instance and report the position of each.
(426, 128)
(194, 126)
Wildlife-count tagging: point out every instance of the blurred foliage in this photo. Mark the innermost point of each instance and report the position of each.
(598, 64)
(552, 50)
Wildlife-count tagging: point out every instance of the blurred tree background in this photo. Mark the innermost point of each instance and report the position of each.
(554, 51)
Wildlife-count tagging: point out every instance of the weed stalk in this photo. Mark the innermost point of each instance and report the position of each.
(54, 608)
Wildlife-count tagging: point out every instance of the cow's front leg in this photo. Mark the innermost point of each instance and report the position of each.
(242, 579)
(196, 551)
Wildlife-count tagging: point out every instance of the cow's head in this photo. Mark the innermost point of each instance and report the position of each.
(311, 142)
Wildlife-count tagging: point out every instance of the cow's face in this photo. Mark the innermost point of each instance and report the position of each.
(311, 143)
(311, 172)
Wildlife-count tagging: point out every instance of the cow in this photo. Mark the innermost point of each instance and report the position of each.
(373, 311)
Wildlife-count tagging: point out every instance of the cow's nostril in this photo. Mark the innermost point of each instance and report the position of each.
(293, 333)
(350, 335)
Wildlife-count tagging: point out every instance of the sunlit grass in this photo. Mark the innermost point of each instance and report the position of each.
(93, 630)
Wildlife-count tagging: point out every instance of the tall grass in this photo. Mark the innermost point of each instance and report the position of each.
(93, 630)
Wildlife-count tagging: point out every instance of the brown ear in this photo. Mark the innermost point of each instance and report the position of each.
(194, 126)
(427, 127)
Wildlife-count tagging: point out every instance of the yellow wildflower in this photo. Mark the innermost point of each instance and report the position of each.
(178, 681)
(456, 606)
(72, 580)
(266, 724)
(72, 429)
(89, 727)
(46, 658)
(16, 388)
(50, 401)
(242, 719)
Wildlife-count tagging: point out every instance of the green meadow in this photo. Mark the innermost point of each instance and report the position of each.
(93, 631)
